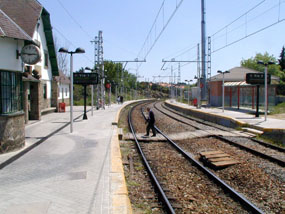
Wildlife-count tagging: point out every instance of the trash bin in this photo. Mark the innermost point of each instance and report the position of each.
(195, 102)
(61, 107)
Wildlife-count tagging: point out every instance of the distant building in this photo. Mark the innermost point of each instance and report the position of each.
(237, 92)
(63, 88)
(27, 67)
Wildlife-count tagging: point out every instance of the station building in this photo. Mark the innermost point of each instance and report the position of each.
(28, 68)
(63, 88)
(237, 92)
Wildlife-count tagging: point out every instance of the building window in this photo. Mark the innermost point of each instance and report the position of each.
(45, 91)
(46, 58)
(11, 92)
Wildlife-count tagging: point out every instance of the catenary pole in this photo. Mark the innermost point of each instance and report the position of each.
(203, 48)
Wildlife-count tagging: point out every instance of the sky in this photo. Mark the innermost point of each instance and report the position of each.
(126, 23)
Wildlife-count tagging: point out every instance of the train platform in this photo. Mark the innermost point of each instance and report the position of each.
(62, 172)
(80, 172)
(240, 117)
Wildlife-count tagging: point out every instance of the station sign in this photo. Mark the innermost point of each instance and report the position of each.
(257, 78)
(85, 78)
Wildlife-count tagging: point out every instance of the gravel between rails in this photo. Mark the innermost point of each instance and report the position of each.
(141, 193)
(193, 191)
(259, 180)
(188, 186)
(264, 190)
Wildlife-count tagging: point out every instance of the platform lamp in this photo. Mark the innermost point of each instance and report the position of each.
(188, 88)
(77, 51)
(265, 85)
(223, 73)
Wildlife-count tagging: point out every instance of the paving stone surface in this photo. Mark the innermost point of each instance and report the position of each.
(67, 173)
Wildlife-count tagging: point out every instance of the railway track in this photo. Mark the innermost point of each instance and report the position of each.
(221, 128)
(189, 163)
(263, 150)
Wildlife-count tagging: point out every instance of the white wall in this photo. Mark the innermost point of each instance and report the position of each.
(48, 83)
(8, 60)
(40, 36)
(65, 88)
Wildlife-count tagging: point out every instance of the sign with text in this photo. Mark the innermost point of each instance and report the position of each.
(85, 78)
(257, 78)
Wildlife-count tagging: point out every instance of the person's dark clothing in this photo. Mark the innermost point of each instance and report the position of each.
(150, 125)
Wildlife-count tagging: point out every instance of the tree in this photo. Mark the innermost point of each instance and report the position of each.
(282, 59)
(115, 75)
(81, 70)
(252, 63)
(62, 60)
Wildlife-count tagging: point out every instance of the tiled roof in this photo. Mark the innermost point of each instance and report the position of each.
(8, 28)
(25, 13)
(237, 74)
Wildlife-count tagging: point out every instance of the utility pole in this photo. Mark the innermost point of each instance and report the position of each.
(203, 49)
(198, 61)
(99, 65)
(171, 83)
(179, 81)
(92, 86)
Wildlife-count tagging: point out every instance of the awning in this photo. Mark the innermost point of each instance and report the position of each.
(234, 84)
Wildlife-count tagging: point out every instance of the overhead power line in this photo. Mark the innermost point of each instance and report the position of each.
(239, 17)
(181, 52)
(86, 32)
(149, 43)
(74, 20)
(66, 39)
(224, 34)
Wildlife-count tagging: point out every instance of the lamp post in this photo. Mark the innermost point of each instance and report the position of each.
(223, 73)
(78, 50)
(265, 85)
(188, 88)
(92, 91)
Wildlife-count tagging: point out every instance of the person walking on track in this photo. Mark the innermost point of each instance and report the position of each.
(150, 123)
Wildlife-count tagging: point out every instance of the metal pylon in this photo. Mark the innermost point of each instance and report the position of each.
(100, 69)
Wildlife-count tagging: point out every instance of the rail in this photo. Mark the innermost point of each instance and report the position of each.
(162, 194)
(252, 151)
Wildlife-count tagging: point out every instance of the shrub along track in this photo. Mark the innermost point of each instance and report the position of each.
(189, 189)
(259, 180)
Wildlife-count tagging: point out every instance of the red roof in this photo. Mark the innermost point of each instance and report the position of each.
(24, 13)
(8, 28)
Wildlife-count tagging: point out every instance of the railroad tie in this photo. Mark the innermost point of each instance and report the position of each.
(217, 159)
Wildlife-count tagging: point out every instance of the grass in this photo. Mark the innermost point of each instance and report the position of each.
(132, 183)
(144, 209)
(125, 150)
(139, 167)
(279, 109)
(270, 141)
